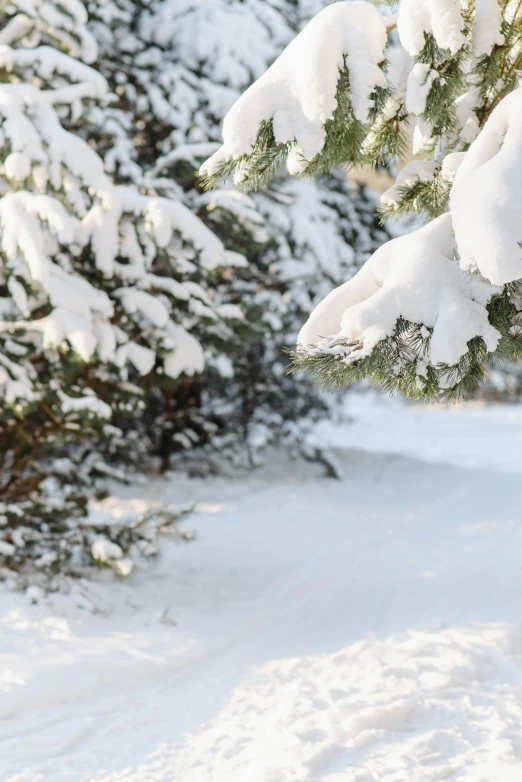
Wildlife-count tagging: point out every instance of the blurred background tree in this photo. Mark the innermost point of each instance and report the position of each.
(176, 68)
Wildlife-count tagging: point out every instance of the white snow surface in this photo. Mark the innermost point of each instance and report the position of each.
(298, 91)
(363, 630)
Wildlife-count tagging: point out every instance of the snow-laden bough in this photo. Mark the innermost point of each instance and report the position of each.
(441, 18)
(486, 199)
(297, 94)
(412, 303)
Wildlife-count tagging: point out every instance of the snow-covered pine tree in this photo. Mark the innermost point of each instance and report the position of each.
(176, 69)
(428, 310)
(101, 284)
(153, 134)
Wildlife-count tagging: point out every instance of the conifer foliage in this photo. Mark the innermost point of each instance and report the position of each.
(428, 311)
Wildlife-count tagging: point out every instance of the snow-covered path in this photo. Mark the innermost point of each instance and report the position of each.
(368, 630)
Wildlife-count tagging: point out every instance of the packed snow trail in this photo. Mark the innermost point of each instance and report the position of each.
(367, 630)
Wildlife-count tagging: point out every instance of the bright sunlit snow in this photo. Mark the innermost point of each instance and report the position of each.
(366, 630)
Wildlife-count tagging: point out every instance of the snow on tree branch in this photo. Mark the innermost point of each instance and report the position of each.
(298, 93)
(425, 278)
(48, 62)
(487, 24)
(448, 72)
(416, 278)
(441, 18)
(486, 199)
(62, 23)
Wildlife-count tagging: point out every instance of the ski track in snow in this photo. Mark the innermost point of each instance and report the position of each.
(367, 630)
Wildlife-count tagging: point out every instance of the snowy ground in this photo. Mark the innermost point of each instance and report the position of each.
(368, 630)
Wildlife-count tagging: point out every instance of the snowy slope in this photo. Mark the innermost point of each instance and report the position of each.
(367, 630)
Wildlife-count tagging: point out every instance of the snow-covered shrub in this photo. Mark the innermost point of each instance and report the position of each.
(38, 547)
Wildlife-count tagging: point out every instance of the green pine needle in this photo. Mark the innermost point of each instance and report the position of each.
(398, 363)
